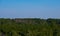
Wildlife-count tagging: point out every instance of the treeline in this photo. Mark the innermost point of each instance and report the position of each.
(29, 27)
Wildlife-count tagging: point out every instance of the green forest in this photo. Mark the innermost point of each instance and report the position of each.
(29, 27)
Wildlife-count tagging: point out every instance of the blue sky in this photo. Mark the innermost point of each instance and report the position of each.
(29, 8)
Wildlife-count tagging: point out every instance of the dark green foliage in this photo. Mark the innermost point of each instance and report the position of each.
(55, 32)
(29, 27)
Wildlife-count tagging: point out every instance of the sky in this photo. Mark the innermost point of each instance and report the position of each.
(29, 8)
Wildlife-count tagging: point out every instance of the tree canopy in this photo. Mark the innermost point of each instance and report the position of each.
(29, 27)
